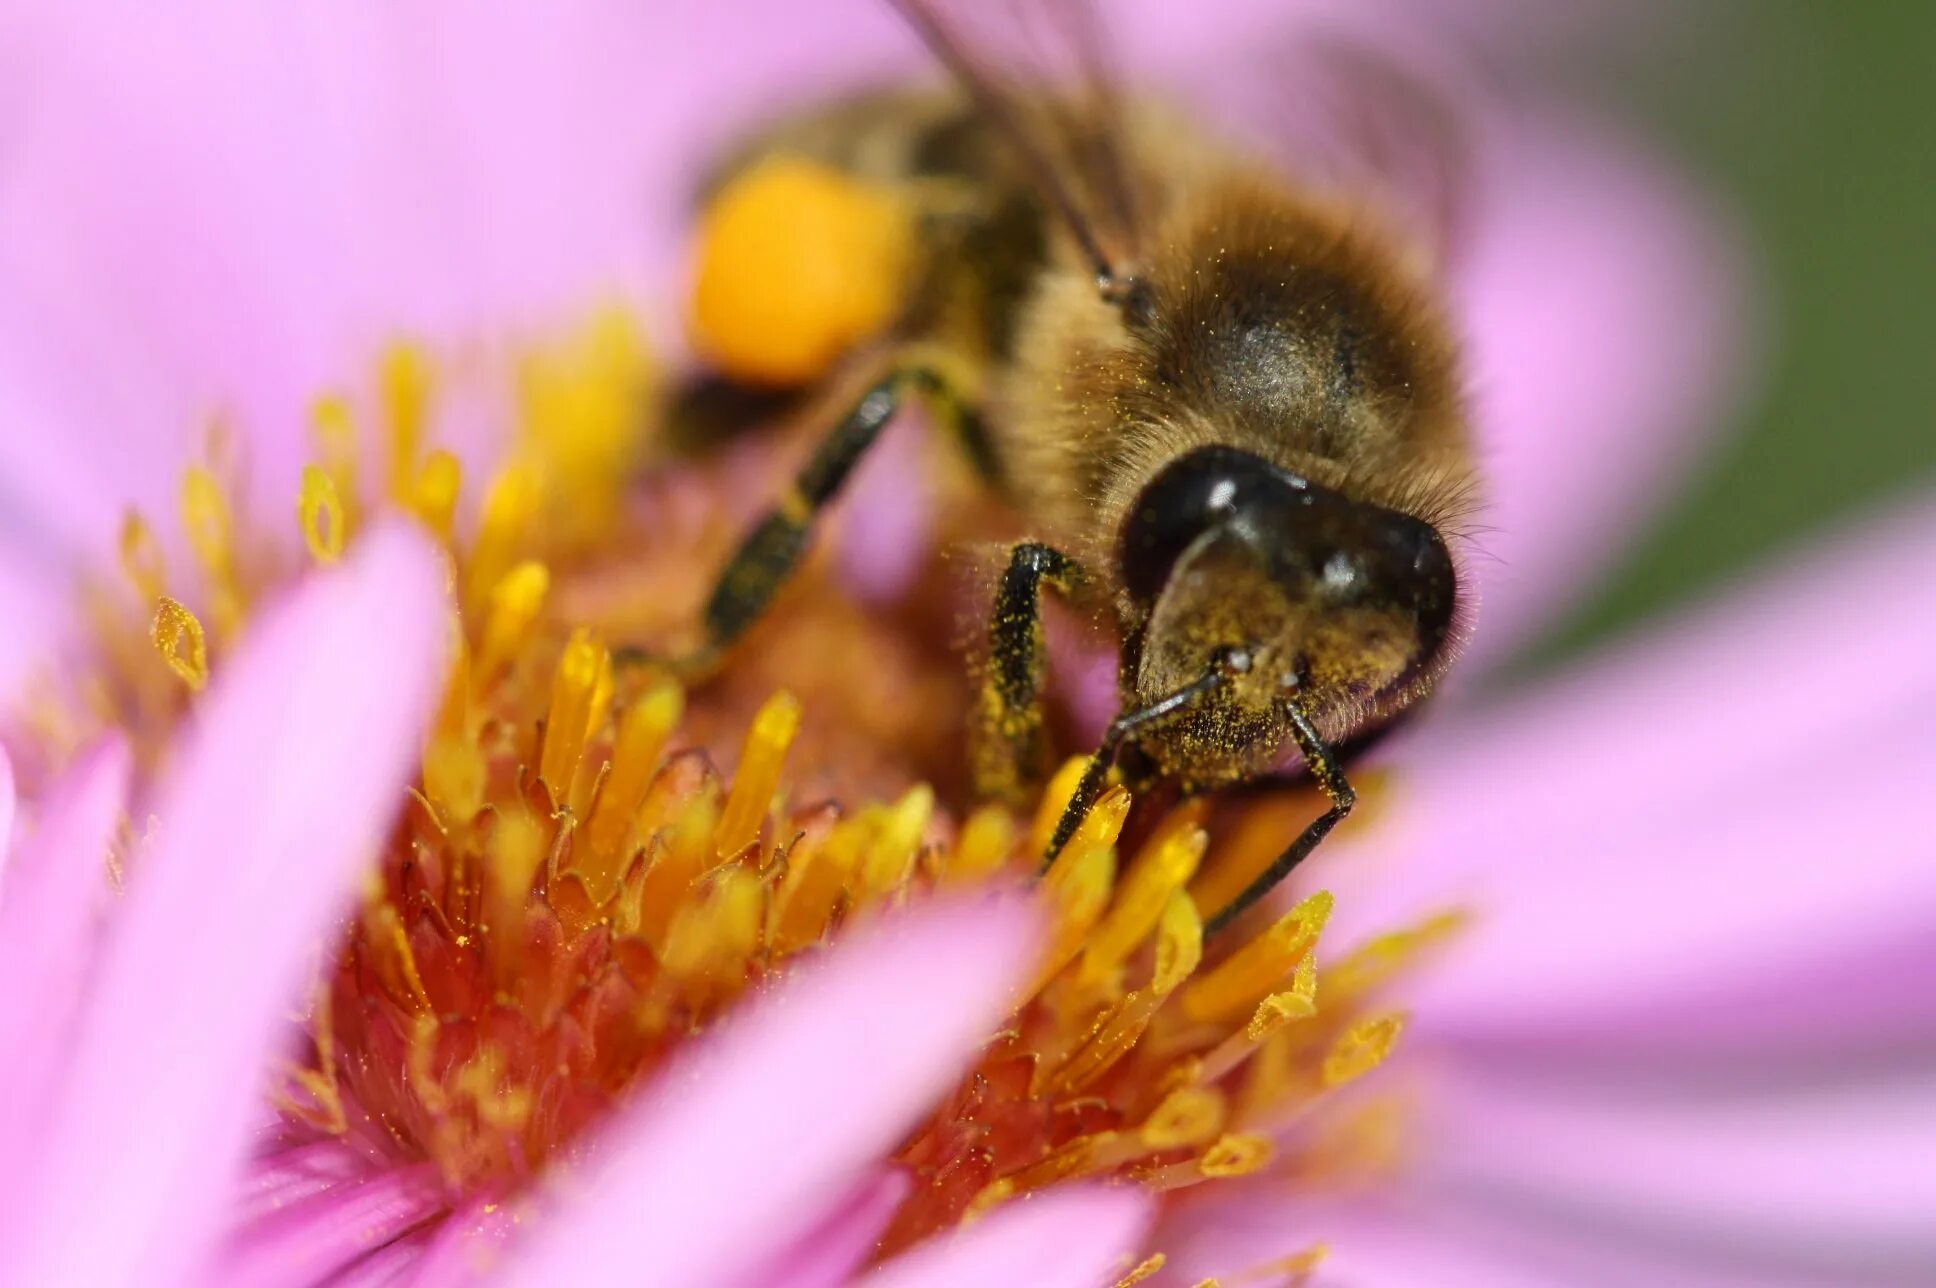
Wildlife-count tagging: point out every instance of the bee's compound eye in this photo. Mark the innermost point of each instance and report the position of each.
(1207, 488)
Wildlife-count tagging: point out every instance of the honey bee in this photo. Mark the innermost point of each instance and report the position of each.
(1223, 400)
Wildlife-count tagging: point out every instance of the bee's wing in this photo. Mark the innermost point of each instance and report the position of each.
(1005, 55)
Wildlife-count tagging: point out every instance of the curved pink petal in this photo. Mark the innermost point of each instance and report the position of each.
(1073, 1236)
(741, 1146)
(53, 891)
(7, 802)
(829, 1256)
(1835, 1175)
(297, 761)
(317, 1237)
(464, 1247)
(1604, 304)
(1669, 819)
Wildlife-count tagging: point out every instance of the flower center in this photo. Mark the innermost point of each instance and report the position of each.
(576, 888)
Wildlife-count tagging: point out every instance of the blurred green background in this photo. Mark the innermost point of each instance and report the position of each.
(1814, 121)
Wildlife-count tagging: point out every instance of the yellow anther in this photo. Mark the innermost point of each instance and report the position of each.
(1378, 961)
(1055, 798)
(890, 858)
(761, 761)
(333, 425)
(178, 635)
(797, 261)
(1104, 822)
(1238, 1154)
(1255, 969)
(434, 497)
(683, 851)
(505, 527)
(403, 384)
(516, 601)
(1179, 944)
(1298, 1002)
(1187, 1116)
(1163, 869)
(1077, 890)
(720, 930)
(818, 877)
(575, 712)
(987, 842)
(1362, 1048)
(517, 848)
(320, 510)
(141, 557)
(643, 732)
(1143, 1270)
(205, 515)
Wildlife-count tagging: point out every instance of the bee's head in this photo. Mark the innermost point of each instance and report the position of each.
(1295, 591)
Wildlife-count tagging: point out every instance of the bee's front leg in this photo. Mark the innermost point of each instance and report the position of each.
(1007, 749)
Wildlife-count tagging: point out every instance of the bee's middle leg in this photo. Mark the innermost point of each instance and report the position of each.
(769, 553)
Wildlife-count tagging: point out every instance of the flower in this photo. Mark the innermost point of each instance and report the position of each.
(459, 1098)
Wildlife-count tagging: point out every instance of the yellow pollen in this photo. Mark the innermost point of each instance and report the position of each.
(1179, 944)
(1255, 968)
(320, 510)
(178, 635)
(1144, 1269)
(403, 385)
(517, 849)
(761, 761)
(712, 936)
(1298, 1002)
(819, 874)
(1238, 1154)
(454, 771)
(583, 675)
(141, 557)
(1362, 1048)
(516, 601)
(1376, 962)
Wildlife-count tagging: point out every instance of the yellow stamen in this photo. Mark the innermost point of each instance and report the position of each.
(818, 877)
(1378, 961)
(320, 511)
(1362, 1048)
(986, 844)
(503, 529)
(1187, 1116)
(642, 735)
(178, 635)
(211, 532)
(516, 601)
(1144, 1269)
(433, 498)
(890, 859)
(404, 381)
(1255, 968)
(683, 853)
(720, 931)
(1077, 889)
(1164, 867)
(141, 558)
(575, 710)
(1298, 1002)
(1055, 799)
(516, 850)
(761, 761)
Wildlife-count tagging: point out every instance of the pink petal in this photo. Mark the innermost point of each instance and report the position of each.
(1836, 1175)
(1603, 303)
(6, 819)
(55, 889)
(464, 1247)
(1079, 1236)
(297, 763)
(317, 1237)
(829, 1256)
(1665, 821)
(741, 1146)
